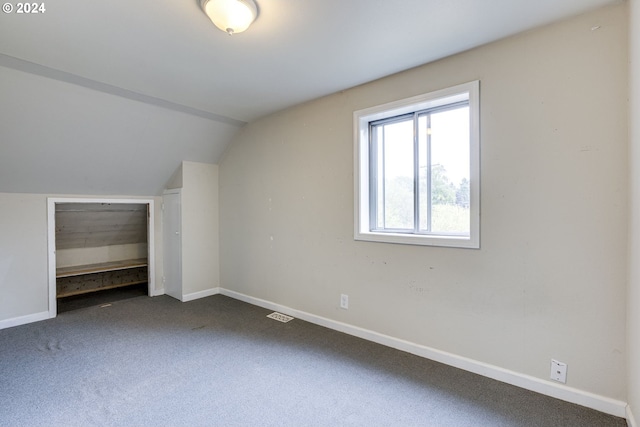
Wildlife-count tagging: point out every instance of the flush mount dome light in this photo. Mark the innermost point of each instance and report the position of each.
(231, 16)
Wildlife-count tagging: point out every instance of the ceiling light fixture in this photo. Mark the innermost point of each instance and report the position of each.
(231, 16)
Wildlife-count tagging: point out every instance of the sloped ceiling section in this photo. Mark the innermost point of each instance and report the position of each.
(61, 138)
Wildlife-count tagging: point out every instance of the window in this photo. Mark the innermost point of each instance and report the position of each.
(417, 169)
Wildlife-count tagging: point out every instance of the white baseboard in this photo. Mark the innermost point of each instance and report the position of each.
(156, 292)
(200, 294)
(558, 391)
(631, 421)
(22, 320)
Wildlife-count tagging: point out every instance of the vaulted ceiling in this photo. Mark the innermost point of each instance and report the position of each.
(109, 97)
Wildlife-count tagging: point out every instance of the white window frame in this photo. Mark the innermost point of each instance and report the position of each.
(361, 120)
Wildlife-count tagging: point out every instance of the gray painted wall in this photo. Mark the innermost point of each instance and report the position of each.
(549, 280)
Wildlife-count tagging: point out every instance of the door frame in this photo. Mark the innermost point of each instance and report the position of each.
(51, 241)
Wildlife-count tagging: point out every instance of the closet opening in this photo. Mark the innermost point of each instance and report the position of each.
(100, 250)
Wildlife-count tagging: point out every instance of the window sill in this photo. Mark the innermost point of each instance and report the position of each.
(419, 240)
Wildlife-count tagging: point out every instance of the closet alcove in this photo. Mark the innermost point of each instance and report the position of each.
(100, 246)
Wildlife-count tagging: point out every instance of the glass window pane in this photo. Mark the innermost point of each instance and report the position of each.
(395, 175)
(378, 136)
(420, 159)
(423, 173)
(450, 171)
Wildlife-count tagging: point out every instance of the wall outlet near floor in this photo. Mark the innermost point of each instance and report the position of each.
(558, 371)
(344, 301)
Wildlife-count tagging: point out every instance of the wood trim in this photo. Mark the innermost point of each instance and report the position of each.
(78, 270)
(86, 291)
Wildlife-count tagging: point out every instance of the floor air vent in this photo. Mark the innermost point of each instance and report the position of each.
(280, 317)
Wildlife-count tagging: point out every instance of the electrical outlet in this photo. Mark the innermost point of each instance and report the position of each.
(558, 371)
(344, 301)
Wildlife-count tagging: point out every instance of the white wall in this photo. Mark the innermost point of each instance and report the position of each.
(23, 255)
(633, 307)
(24, 289)
(549, 279)
(200, 235)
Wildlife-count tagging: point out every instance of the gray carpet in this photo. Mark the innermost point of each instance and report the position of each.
(220, 362)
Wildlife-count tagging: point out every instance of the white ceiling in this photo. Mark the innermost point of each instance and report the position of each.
(296, 50)
(168, 54)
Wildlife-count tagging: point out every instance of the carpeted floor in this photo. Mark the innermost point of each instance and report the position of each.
(220, 362)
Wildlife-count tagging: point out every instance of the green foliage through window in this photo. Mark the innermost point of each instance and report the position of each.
(420, 172)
